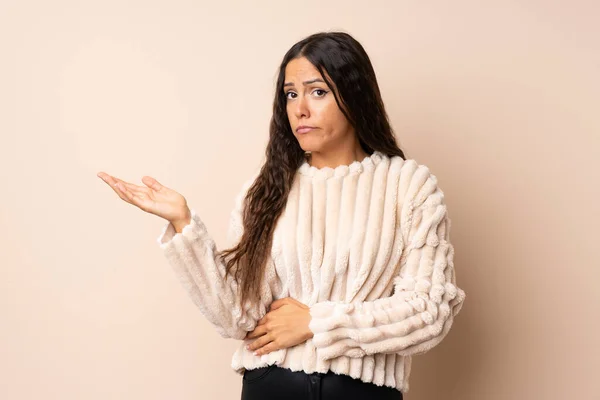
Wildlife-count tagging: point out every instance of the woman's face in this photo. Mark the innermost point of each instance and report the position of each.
(310, 102)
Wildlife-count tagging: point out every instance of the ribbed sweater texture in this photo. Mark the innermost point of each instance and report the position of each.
(366, 246)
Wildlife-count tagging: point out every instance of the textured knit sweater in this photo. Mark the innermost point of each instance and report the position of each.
(365, 246)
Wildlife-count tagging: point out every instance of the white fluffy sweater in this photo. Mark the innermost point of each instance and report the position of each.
(365, 246)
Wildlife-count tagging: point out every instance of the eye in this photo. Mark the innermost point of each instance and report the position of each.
(322, 91)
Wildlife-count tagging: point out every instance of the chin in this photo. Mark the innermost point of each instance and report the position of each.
(307, 146)
(310, 149)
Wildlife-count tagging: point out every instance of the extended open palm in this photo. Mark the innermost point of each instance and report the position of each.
(153, 198)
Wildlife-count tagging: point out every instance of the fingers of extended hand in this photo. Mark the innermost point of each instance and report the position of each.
(152, 183)
(117, 186)
(126, 191)
(109, 180)
(131, 187)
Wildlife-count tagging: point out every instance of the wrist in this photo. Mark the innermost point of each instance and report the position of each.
(309, 333)
(180, 223)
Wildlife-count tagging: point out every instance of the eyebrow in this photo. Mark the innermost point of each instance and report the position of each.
(304, 83)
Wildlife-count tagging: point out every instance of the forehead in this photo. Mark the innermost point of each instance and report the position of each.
(300, 68)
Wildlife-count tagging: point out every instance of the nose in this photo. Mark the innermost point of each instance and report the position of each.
(301, 109)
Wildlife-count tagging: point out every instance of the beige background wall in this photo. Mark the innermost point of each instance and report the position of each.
(500, 99)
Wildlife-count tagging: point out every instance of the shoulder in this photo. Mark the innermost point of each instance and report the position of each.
(420, 198)
(417, 184)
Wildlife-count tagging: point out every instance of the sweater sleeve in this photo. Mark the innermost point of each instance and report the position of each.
(420, 311)
(192, 253)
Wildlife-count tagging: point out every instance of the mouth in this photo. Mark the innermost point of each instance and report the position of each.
(304, 129)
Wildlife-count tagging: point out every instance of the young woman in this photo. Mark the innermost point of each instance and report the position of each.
(340, 268)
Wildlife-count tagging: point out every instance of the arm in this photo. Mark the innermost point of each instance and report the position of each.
(419, 313)
(192, 253)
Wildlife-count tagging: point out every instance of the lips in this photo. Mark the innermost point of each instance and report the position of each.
(304, 129)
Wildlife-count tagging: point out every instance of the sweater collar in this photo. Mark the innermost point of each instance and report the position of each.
(341, 170)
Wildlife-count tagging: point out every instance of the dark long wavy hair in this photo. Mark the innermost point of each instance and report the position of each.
(357, 94)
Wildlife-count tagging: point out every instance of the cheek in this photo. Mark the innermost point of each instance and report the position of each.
(333, 119)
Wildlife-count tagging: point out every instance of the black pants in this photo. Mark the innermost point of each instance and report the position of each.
(276, 383)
